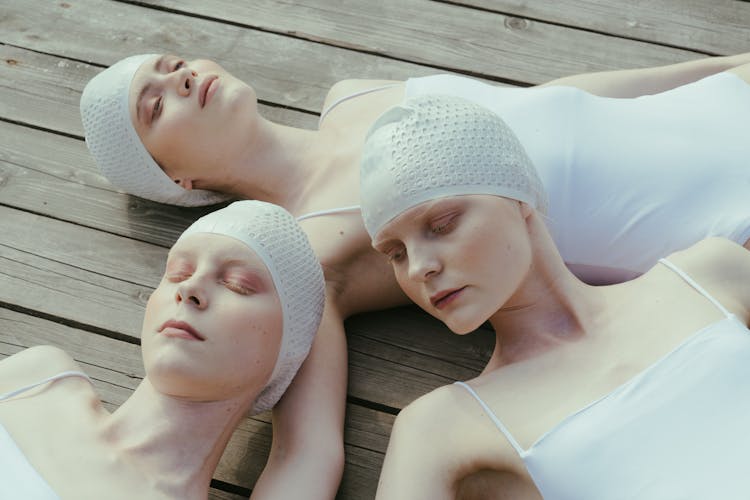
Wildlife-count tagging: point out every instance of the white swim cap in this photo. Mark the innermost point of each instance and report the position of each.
(118, 151)
(273, 234)
(435, 146)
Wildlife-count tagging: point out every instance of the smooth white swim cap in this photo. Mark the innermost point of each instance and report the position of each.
(435, 146)
(273, 234)
(118, 151)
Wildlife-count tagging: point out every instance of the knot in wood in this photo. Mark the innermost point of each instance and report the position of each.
(516, 23)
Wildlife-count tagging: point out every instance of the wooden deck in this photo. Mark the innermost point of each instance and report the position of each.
(78, 259)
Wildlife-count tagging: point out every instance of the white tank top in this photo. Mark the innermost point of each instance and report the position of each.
(18, 478)
(677, 430)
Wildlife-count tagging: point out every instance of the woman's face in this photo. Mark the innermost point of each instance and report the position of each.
(212, 328)
(192, 116)
(460, 258)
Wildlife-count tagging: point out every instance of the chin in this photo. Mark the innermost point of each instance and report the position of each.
(461, 327)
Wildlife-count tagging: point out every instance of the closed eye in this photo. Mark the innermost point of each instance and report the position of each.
(237, 287)
(444, 224)
(177, 277)
(157, 109)
(396, 254)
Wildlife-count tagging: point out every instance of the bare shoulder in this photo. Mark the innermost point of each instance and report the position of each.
(444, 418)
(32, 365)
(346, 88)
(722, 267)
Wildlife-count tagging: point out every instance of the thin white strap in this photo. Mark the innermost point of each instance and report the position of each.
(695, 285)
(338, 101)
(328, 211)
(493, 417)
(70, 373)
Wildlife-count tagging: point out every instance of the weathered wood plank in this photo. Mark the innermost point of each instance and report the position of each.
(101, 32)
(55, 176)
(44, 91)
(716, 27)
(116, 369)
(442, 35)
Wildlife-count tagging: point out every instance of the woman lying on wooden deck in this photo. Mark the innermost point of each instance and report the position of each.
(224, 333)
(189, 133)
(637, 390)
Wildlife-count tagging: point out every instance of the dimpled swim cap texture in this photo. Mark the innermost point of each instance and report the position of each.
(273, 234)
(435, 146)
(118, 151)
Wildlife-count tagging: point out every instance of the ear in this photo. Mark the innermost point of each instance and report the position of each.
(184, 183)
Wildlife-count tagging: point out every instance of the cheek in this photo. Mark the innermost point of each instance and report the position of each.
(156, 301)
(410, 287)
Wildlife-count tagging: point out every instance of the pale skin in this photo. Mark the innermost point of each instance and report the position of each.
(561, 344)
(198, 384)
(305, 171)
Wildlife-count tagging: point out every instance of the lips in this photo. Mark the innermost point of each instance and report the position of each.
(206, 90)
(181, 329)
(445, 297)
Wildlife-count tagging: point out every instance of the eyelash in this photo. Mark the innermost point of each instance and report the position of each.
(445, 227)
(177, 277)
(236, 288)
(396, 255)
(157, 109)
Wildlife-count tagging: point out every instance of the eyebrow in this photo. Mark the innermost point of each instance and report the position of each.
(146, 88)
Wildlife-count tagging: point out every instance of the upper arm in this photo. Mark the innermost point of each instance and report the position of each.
(307, 455)
(742, 71)
(32, 365)
(436, 441)
(637, 82)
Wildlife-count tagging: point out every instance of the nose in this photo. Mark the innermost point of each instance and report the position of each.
(191, 294)
(423, 265)
(185, 81)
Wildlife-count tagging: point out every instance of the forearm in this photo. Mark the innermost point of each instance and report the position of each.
(307, 454)
(637, 82)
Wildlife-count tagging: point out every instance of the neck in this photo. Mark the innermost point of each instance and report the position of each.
(550, 308)
(176, 443)
(278, 165)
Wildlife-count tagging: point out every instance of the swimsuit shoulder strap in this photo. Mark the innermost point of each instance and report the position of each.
(21, 390)
(682, 274)
(345, 98)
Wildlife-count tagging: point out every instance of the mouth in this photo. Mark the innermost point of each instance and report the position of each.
(180, 329)
(207, 89)
(445, 297)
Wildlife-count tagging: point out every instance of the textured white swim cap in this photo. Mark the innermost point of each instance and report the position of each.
(435, 146)
(116, 147)
(273, 234)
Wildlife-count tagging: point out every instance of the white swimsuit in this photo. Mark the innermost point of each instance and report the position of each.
(628, 180)
(18, 478)
(676, 431)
